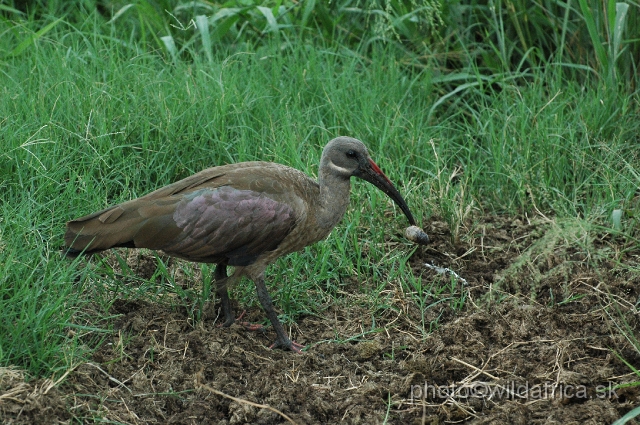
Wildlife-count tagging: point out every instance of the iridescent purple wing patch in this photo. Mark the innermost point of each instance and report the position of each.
(220, 223)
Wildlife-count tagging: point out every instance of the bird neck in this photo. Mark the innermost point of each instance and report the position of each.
(334, 197)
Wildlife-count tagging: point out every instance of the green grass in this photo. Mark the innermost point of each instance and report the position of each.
(89, 119)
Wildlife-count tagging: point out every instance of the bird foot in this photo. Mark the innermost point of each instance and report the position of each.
(254, 327)
(288, 344)
(284, 343)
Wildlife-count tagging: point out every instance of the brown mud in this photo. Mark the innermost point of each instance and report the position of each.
(538, 340)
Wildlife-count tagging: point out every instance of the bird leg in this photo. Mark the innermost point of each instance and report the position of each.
(282, 340)
(220, 275)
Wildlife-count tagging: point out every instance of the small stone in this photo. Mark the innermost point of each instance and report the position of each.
(417, 235)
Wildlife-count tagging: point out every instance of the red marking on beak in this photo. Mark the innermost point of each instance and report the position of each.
(377, 169)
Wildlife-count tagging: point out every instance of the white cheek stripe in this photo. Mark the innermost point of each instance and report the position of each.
(340, 170)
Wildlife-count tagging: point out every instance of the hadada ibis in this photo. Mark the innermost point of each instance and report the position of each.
(244, 215)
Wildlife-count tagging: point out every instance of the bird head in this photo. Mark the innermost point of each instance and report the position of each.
(346, 157)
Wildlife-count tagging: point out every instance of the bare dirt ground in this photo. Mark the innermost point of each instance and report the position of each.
(539, 339)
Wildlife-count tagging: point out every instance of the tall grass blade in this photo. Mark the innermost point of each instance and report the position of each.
(618, 28)
(223, 20)
(563, 36)
(611, 15)
(202, 23)
(309, 5)
(616, 218)
(596, 40)
(149, 13)
(35, 37)
(443, 98)
(170, 44)
(626, 418)
(120, 12)
(11, 9)
(272, 24)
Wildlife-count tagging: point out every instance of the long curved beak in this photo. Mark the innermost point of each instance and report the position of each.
(369, 171)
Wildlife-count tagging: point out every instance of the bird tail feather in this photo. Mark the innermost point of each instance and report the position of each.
(99, 231)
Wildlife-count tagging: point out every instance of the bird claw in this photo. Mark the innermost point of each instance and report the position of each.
(254, 327)
(291, 345)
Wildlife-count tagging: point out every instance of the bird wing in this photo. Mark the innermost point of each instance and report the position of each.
(228, 222)
(229, 213)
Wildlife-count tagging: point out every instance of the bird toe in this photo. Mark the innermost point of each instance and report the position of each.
(288, 345)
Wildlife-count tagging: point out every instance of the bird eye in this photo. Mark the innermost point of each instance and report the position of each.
(352, 154)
